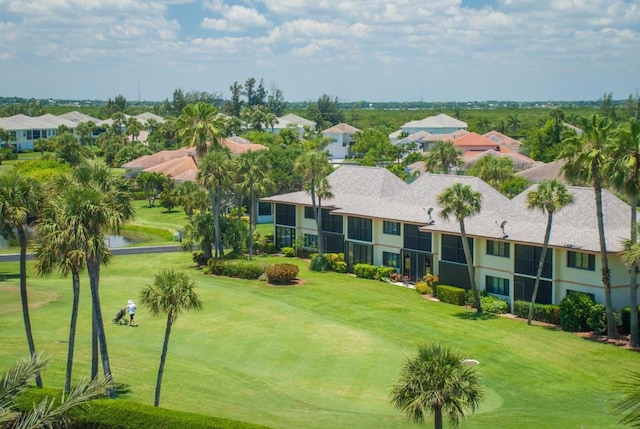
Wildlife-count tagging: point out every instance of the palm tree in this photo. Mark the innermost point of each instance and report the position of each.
(442, 156)
(460, 201)
(513, 123)
(170, 294)
(214, 174)
(191, 197)
(436, 381)
(629, 404)
(586, 158)
(252, 166)
(50, 412)
(20, 199)
(314, 166)
(61, 240)
(550, 196)
(104, 205)
(624, 170)
(493, 169)
(85, 131)
(200, 125)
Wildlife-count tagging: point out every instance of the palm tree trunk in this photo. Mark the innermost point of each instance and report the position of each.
(163, 358)
(22, 237)
(543, 254)
(612, 329)
(93, 266)
(251, 217)
(216, 222)
(72, 327)
(470, 267)
(633, 276)
(94, 344)
(437, 418)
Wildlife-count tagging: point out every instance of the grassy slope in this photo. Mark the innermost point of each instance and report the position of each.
(323, 354)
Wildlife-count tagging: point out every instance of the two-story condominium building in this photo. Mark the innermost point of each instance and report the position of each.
(376, 218)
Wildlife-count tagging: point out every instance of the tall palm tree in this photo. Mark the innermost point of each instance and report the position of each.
(253, 168)
(314, 166)
(460, 201)
(436, 381)
(200, 125)
(171, 293)
(549, 196)
(624, 169)
(442, 156)
(493, 169)
(50, 412)
(20, 199)
(61, 246)
(215, 173)
(85, 131)
(513, 123)
(586, 158)
(104, 206)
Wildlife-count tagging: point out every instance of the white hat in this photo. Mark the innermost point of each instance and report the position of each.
(130, 301)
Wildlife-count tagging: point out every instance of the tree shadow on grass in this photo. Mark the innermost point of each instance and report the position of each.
(472, 315)
(8, 276)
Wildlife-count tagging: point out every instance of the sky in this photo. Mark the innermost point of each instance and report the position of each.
(373, 50)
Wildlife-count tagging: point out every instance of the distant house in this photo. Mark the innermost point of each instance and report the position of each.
(503, 140)
(291, 121)
(439, 124)
(24, 130)
(341, 136)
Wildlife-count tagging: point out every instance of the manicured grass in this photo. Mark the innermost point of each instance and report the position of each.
(323, 354)
(155, 225)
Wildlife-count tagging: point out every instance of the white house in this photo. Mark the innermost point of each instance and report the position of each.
(291, 121)
(341, 136)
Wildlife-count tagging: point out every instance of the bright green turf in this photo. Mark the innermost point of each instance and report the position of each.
(320, 355)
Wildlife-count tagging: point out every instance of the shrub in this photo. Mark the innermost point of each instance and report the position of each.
(339, 267)
(198, 258)
(598, 319)
(491, 304)
(289, 252)
(249, 270)
(423, 288)
(470, 300)
(215, 266)
(450, 294)
(575, 310)
(282, 273)
(625, 315)
(548, 313)
(431, 280)
(384, 273)
(320, 263)
(365, 271)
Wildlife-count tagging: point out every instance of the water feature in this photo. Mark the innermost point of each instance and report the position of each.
(114, 241)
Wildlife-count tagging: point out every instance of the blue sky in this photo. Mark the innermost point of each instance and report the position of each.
(374, 50)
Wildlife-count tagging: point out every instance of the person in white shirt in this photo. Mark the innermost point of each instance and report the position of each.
(132, 311)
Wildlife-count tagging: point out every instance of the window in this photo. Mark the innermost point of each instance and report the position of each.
(415, 239)
(285, 214)
(264, 209)
(331, 223)
(308, 213)
(527, 259)
(498, 248)
(583, 261)
(497, 285)
(391, 259)
(360, 229)
(332, 243)
(360, 253)
(452, 249)
(284, 236)
(311, 241)
(523, 290)
(391, 228)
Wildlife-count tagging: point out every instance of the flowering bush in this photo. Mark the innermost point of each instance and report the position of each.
(282, 273)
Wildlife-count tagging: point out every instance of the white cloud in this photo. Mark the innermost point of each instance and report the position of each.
(233, 18)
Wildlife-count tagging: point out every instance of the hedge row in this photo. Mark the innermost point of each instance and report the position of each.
(451, 294)
(249, 270)
(549, 313)
(127, 414)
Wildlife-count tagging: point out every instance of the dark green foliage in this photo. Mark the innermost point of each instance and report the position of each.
(282, 273)
(598, 319)
(249, 270)
(470, 300)
(7, 155)
(215, 266)
(451, 294)
(491, 304)
(289, 252)
(320, 263)
(548, 313)
(199, 259)
(365, 271)
(625, 315)
(575, 310)
(126, 414)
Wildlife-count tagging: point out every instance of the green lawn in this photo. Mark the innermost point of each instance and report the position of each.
(320, 355)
